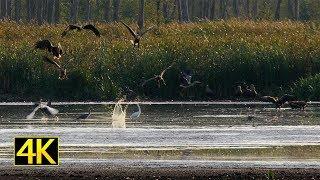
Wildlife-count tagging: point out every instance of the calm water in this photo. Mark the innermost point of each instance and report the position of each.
(174, 133)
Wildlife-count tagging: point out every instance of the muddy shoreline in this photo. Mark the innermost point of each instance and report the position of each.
(107, 172)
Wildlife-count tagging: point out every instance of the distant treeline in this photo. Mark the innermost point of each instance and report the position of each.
(73, 11)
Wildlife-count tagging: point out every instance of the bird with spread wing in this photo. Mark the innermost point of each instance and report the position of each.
(158, 78)
(137, 35)
(88, 27)
(56, 51)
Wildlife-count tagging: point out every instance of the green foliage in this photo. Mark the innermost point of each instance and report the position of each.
(271, 55)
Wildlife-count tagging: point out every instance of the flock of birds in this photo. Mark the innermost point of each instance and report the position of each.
(250, 92)
(186, 81)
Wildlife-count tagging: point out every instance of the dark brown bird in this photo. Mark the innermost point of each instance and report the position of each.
(62, 71)
(298, 104)
(137, 35)
(84, 116)
(250, 92)
(158, 78)
(285, 98)
(238, 91)
(79, 28)
(56, 51)
(269, 99)
(209, 91)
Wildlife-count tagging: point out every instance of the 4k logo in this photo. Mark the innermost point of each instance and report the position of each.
(36, 151)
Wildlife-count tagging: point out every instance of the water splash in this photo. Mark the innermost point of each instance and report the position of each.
(119, 116)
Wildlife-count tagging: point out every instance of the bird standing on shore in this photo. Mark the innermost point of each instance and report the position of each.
(89, 27)
(137, 35)
(158, 78)
(298, 104)
(136, 114)
(250, 92)
(56, 51)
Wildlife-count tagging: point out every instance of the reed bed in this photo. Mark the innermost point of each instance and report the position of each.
(275, 56)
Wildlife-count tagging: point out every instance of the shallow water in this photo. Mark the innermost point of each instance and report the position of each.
(174, 131)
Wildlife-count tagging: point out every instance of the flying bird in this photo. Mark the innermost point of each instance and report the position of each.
(56, 51)
(158, 78)
(137, 35)
(45, 109)
(62, 71)
(186, 79)
(269, 99)
(89, 27)
(136, 114)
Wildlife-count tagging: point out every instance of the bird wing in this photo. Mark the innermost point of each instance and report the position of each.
(134, 34)
(92, 28)
(70, 28)
(52, 111)
(43, 44)
(147, 30)
(31, 115)
(164, 71)
(45, 58)
(148, 80)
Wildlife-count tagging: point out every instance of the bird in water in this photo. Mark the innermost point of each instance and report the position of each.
(238, 91)
(84, 116)
(250, 92)
(62, 71)
(278, 102)
(158, 78)
(56, 51)
(137, 35)
(45, 109)
(209, 91)
(89, 27)
(298, 104)
(136, 114)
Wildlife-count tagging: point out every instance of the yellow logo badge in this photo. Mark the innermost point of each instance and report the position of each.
(37, 151)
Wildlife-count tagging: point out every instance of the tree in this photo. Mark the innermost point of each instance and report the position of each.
(9, 9)
(141, 15)
(50, 11)
(39, 11)
(290, 9)
(107, 11)
(236, 8)
(277, 13)
(255, 9)
(213, 9)
(165, 11)
(247, 8)
(74, 11)
(184, 11)
(3, 13)
(17, 10)
(56, 11)
(296, 9)
(116, 7)
(87, 10)
(223, 9)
